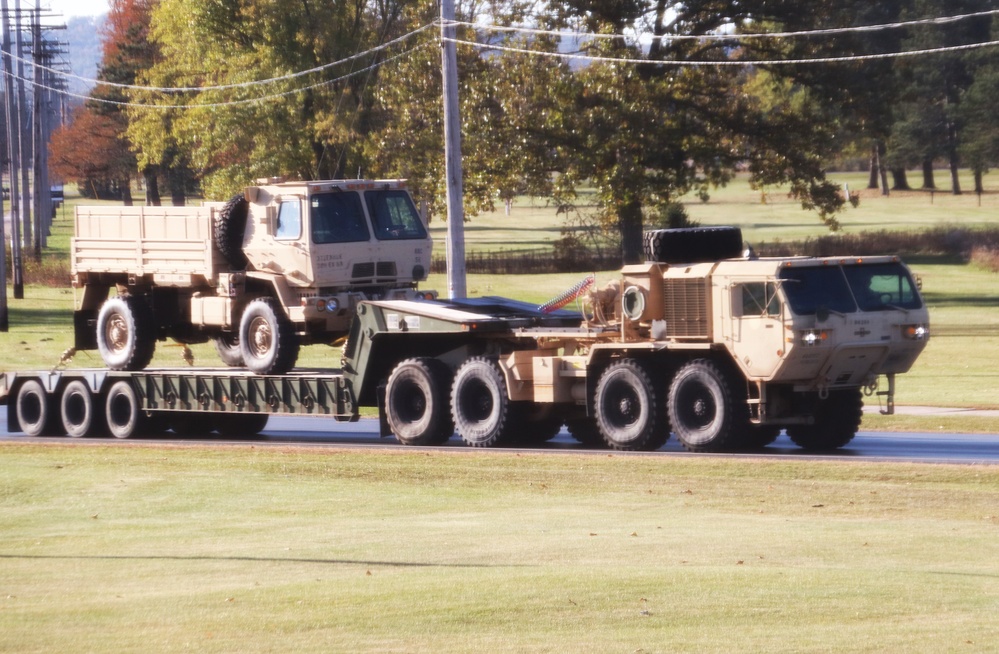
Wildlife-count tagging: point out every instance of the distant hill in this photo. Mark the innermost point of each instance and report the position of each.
(83, 36)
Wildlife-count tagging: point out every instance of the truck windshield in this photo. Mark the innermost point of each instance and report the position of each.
(882, 287)
(337, 218)
(844, 289)
(394, 216)
(811, 289)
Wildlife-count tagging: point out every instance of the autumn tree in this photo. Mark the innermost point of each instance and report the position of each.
(253, 115)
(92, 151)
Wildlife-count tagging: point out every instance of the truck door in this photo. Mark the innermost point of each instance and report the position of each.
(757, 327)
(293, 257)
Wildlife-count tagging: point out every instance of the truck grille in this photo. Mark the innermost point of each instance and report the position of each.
(369, 272)
(686, 308)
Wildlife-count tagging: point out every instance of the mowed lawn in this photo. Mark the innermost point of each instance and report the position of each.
(151, 548)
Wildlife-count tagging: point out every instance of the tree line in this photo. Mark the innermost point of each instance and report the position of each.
(642, 132)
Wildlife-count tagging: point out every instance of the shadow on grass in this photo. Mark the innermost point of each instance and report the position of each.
(249, 559)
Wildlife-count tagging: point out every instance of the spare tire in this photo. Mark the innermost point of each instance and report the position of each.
(692, 245)
(229, 228)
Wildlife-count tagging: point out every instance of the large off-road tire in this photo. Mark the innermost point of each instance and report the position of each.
(757, 437)
(480, 405)
(227, 345)
(536, 423)
(584, 429)
(267, 338)
(82, 413)
(692, 245)
(229, 229)
(35, 413)
(837, 419)
(704, 409)
(628, 408)
(241, 425)
(192, 424)
(416, 402)
(126, 333)
(122, 410)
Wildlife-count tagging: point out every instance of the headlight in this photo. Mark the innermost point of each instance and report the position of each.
(916, 332)
(814, 337)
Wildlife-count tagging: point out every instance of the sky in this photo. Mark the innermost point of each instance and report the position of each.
(69, 8)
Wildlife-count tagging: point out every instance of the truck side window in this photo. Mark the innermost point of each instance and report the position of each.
(337, 218)
(394, 216)
(289, 220)
(760, 299)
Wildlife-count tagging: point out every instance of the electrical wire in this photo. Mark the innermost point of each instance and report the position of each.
(941, 20)
(226, 87)
(216, 105)
(725, 62)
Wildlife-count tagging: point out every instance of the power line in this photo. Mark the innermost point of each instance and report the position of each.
(726, 62)
(228, 87)
(230, 103)
(941, 20)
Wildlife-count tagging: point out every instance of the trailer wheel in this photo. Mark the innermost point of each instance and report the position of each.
(229, 229)
(628, 407)
(537, 422)
(692, 245)
(230, 352)
(837, 419)
(267, 338)
(34, 410)
(584, 429)
(124, 417)
(194, 424)
(126, 335)
(416, 402)
(703, 410)
(756, 437)
(80, 411)
(241, 425)
(480, 405)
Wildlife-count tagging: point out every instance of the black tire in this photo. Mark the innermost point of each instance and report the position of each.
(628, 408)
(122, 412)
(756, 437)
(704, 409)
(837, 419)
(480, 405)
(536, 423)
(584, 429)
(35, 413)
(692, 245)
(227, 345)
(416, 402)
(241, 425)
(194, 424)
(126, 333)
(81, 412)
(229, 229)
(267, 338)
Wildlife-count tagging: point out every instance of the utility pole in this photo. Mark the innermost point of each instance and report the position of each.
(24, 134)
(455, 246)
(4, 160)
(13, 148)
(42, 192)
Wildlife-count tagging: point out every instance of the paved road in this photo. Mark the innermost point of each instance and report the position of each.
(915, 447)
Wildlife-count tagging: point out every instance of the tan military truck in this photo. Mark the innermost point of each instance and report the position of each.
(720, 348)
(280, 265)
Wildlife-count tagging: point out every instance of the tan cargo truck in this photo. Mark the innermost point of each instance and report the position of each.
(280, 265)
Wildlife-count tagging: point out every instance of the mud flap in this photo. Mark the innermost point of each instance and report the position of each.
(85, 329)
(384, 430)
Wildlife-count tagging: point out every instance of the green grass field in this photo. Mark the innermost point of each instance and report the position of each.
(254, 549)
